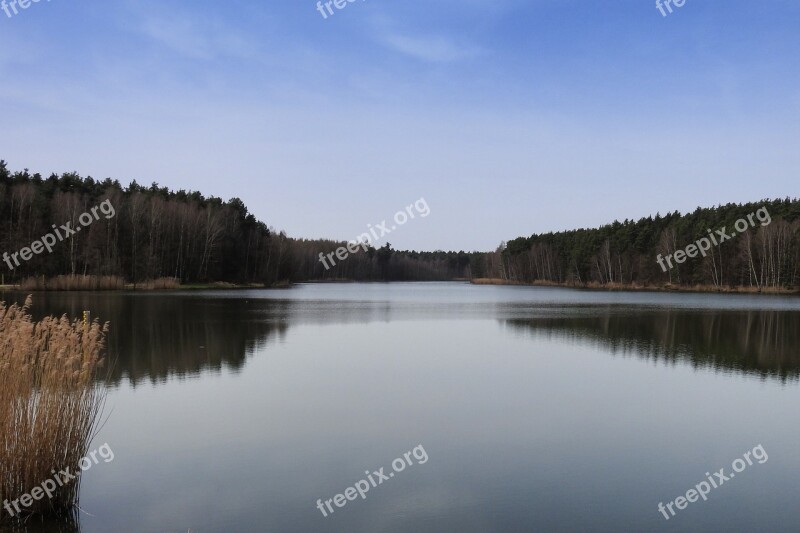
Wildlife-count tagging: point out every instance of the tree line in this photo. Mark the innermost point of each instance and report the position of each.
(157, 233)
(766, 255)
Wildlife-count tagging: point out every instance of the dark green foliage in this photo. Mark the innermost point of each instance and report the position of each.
(154, 232)
(626, 252)
(157, 233)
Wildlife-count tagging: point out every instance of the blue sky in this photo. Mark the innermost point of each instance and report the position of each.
(509, 117)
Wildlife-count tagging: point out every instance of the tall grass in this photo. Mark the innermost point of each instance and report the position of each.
(74, 283)
(94, 283)
(49, 403)
(159, 284)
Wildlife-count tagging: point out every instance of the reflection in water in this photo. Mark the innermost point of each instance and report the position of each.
(234, 452)
(760, 342)
(158, 338)
(154, 337)
(38, 524)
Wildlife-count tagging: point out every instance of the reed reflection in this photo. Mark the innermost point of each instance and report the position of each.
(39, 524)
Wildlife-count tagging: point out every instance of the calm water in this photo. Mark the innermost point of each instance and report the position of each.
(539, 409)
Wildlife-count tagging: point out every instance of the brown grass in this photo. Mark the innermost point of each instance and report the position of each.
(159, 284)
(49, 402)
(74, 283)
(494, 281)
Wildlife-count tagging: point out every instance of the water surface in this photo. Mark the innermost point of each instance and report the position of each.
(539, 409)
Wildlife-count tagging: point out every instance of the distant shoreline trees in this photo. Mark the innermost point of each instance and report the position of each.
(158, 233)
(624, 253)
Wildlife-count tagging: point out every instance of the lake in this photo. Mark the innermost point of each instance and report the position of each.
(523, 409)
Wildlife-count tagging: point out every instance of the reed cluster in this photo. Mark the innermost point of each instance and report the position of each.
(74, 283)
(159, 284)
(50, 403)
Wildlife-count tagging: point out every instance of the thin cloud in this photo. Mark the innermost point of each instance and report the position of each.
(436, 49)
(195, 37)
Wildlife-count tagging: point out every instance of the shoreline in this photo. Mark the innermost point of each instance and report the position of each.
(632, 287)
(285, 285)
(140, 288)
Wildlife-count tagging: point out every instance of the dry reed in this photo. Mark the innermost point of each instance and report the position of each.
(159, 284)
(74, 283)
(50, 404)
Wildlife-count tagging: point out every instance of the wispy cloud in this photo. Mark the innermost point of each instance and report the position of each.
(196, 37)
(436, 49)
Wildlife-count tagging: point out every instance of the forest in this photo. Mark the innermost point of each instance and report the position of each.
(765, 256)
(157, 233)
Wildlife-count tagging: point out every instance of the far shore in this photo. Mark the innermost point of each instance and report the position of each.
(222, 285)
(636, 287)
(219, 285)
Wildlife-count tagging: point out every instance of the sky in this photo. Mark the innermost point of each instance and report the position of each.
(508, 117)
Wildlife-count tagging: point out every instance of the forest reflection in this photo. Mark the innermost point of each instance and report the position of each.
(156, 337)
(190, 335)
(760, 342)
